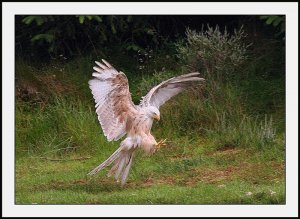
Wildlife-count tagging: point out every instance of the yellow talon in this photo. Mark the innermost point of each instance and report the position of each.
(160, 143)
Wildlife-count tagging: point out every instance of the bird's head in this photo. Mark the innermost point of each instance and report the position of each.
(153, 112)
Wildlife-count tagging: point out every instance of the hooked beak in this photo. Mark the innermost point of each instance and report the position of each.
(157, 117)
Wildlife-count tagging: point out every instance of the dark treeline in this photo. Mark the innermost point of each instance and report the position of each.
(45, 36)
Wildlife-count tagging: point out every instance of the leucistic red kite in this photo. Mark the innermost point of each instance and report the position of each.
(119, 116)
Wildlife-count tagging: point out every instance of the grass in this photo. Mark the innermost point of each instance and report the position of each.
(230, 176)
(224, 147)
(186, 171)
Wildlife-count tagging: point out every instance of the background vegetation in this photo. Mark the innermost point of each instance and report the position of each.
(226, 138)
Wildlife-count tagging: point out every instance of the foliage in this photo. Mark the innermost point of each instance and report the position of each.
(215, 54)
(277, 21)
(82, 18)
(76, 34)
(221, 109)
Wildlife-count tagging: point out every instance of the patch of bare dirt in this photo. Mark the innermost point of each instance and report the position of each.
(27, 91)
(53, 84)
(40, 88)
(228, 151)
(210, 175)
(252, 172)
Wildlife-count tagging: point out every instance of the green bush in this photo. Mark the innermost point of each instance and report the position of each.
(215, 54)
(218, 109)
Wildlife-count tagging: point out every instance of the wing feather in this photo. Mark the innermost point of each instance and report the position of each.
(114, 105)
(161, 93)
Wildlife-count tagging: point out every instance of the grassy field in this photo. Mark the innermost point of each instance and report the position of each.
(174, 175)
(183, 172)
(222, 148)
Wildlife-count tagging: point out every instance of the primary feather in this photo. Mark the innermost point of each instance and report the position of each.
(113, 100)
(161, 93)
(119, 116)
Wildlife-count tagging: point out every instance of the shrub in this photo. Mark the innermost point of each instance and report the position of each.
(218, 111)
(215, 54)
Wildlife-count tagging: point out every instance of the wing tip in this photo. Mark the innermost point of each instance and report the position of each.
(106, 63)
(194, 76)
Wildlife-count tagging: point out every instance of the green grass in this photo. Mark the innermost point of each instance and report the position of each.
(219, 150)
(186, 171)
(168, 177)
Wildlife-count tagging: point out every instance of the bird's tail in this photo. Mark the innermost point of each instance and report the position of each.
(122, 166)
(123, 160)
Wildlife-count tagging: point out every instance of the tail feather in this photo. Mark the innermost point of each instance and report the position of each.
(122, 167)
(126, 171)
(107, 162)
(113, 169)
(123, 160)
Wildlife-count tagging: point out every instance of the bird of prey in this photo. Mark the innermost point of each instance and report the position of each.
(119, 116)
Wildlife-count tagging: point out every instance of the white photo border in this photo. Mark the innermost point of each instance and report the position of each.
(9, 10)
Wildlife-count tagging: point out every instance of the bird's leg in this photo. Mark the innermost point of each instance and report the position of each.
(160, 143)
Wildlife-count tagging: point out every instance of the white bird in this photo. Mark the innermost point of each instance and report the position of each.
(119, 116)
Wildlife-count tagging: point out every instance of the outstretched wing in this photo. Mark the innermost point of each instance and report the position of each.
(114, 105)
(161, 93)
